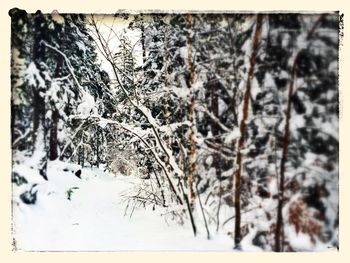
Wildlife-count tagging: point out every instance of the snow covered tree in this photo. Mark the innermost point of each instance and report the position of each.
(306, 145)
(46, 87)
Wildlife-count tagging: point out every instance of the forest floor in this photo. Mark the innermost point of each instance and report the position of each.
(88, 214)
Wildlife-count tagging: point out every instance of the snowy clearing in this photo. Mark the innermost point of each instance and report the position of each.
(94, 220)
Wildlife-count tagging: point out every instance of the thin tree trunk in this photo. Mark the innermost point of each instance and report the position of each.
(285, 143)
(98, 142)
(160, 186)
(203, 214)
(166, 84)
(237, 174)
(143, 37)
(233, 105)
(189, 208)
(82, 152)
(192, 139)
(36, 116)
(216, 154)
(166, 87)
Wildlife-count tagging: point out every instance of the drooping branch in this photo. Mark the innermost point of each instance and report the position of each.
(69, 65)
(142, 109)
(159, 161)
(71, 140)
(130, 130)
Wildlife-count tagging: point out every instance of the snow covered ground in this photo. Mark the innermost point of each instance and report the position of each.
(94, 218)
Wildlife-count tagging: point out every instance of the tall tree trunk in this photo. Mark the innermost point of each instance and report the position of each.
(237, 174)
(192, 139)
(214, 130)
(285, 144)
(38, 102)
(40, 128)
(38, 54)
(166, 84)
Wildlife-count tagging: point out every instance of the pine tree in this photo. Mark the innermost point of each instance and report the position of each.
(50, 48)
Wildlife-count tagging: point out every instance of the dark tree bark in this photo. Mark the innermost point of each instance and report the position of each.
(53, 135)
(37, 100)
(285, 143)
(82, 153)
(189, 209)
(13, 119)
(98, 142)
(55, 118)
(143, 37)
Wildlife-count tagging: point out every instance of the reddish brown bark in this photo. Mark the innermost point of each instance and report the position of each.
(192, 152)
(237, 175)
(279, 224)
